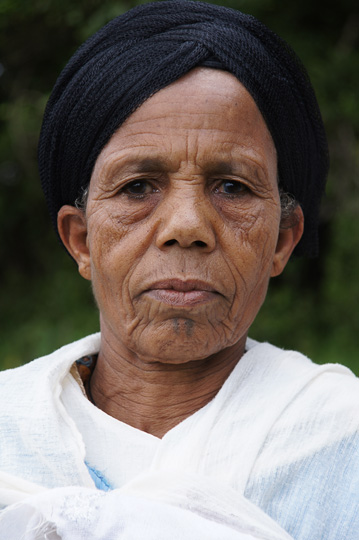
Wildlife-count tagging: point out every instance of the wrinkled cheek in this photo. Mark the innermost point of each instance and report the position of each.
(251, 269)
(263, 236)
(103, 291)
(258, 245)
(107, 287)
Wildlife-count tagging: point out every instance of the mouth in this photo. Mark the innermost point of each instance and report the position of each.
(180, 293)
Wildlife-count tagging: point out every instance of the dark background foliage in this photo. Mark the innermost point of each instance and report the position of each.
(44, 303)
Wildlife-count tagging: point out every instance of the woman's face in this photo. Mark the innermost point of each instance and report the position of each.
(182, 221)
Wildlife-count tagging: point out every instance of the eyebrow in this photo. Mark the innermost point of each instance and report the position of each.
(235, 168)
(213, 167)
(149, 165)
(219, 167)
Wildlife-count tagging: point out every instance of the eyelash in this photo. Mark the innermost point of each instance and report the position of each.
(243, 188)
(142, 182)
(218, 184)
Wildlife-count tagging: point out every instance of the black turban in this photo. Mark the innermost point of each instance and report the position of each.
(153, 45)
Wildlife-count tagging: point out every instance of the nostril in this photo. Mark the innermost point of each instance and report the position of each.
(170, 242)
(197, 243)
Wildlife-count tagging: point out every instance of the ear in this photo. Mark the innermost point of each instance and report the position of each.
(72, 227)
(288, 238)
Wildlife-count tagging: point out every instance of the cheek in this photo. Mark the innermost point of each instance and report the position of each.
(115, 250)
(251, 256)
(115, 236)
(263, 237)
(255, 233)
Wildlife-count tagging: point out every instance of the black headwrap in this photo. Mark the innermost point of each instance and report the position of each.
(153, 45)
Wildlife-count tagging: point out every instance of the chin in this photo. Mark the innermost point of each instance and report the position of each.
(183, 342)
(180, 351)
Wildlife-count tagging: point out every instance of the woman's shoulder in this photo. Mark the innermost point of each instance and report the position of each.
(294, 365)
(52, 366)
(39, 442)
(312, 447)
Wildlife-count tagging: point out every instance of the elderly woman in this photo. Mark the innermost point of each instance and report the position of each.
(183, 159)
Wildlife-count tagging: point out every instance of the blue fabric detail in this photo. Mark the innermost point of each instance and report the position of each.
(315, 498)
(99, 479)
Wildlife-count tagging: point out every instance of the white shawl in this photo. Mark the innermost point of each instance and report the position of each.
(276, 414)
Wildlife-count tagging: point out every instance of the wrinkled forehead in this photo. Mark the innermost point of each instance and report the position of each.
(205, 123)
(202, 99)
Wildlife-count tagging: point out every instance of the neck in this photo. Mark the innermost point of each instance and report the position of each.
(154, 396)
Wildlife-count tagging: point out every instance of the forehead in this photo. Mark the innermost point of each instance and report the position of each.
(206, 111)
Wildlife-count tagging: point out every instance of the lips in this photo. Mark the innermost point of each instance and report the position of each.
(178, 293)
(183, 286)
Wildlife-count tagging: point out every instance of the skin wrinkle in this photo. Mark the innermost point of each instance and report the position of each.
(189, 327)
(253, 173)
(145, 391)
(160, 361)
(176, 326)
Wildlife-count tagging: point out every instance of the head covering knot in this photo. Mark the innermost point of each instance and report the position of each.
(153, 45)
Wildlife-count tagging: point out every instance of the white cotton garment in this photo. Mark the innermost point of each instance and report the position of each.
(273, 455)
(116, 450)
(157, 508)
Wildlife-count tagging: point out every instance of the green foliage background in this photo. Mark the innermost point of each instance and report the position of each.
(44, 303)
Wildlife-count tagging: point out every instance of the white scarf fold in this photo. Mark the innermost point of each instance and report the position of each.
(196, 483)
(154, 507)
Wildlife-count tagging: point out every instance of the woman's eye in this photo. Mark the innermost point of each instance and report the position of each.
(231, 187)
(138, 187)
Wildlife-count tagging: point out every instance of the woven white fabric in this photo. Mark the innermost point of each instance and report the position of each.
(280, 438)
(172, 508)
(121, 452)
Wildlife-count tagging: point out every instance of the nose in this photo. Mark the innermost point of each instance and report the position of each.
(188, 221)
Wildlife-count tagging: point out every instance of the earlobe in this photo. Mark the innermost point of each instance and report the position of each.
(288, 238)
(72, 227)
